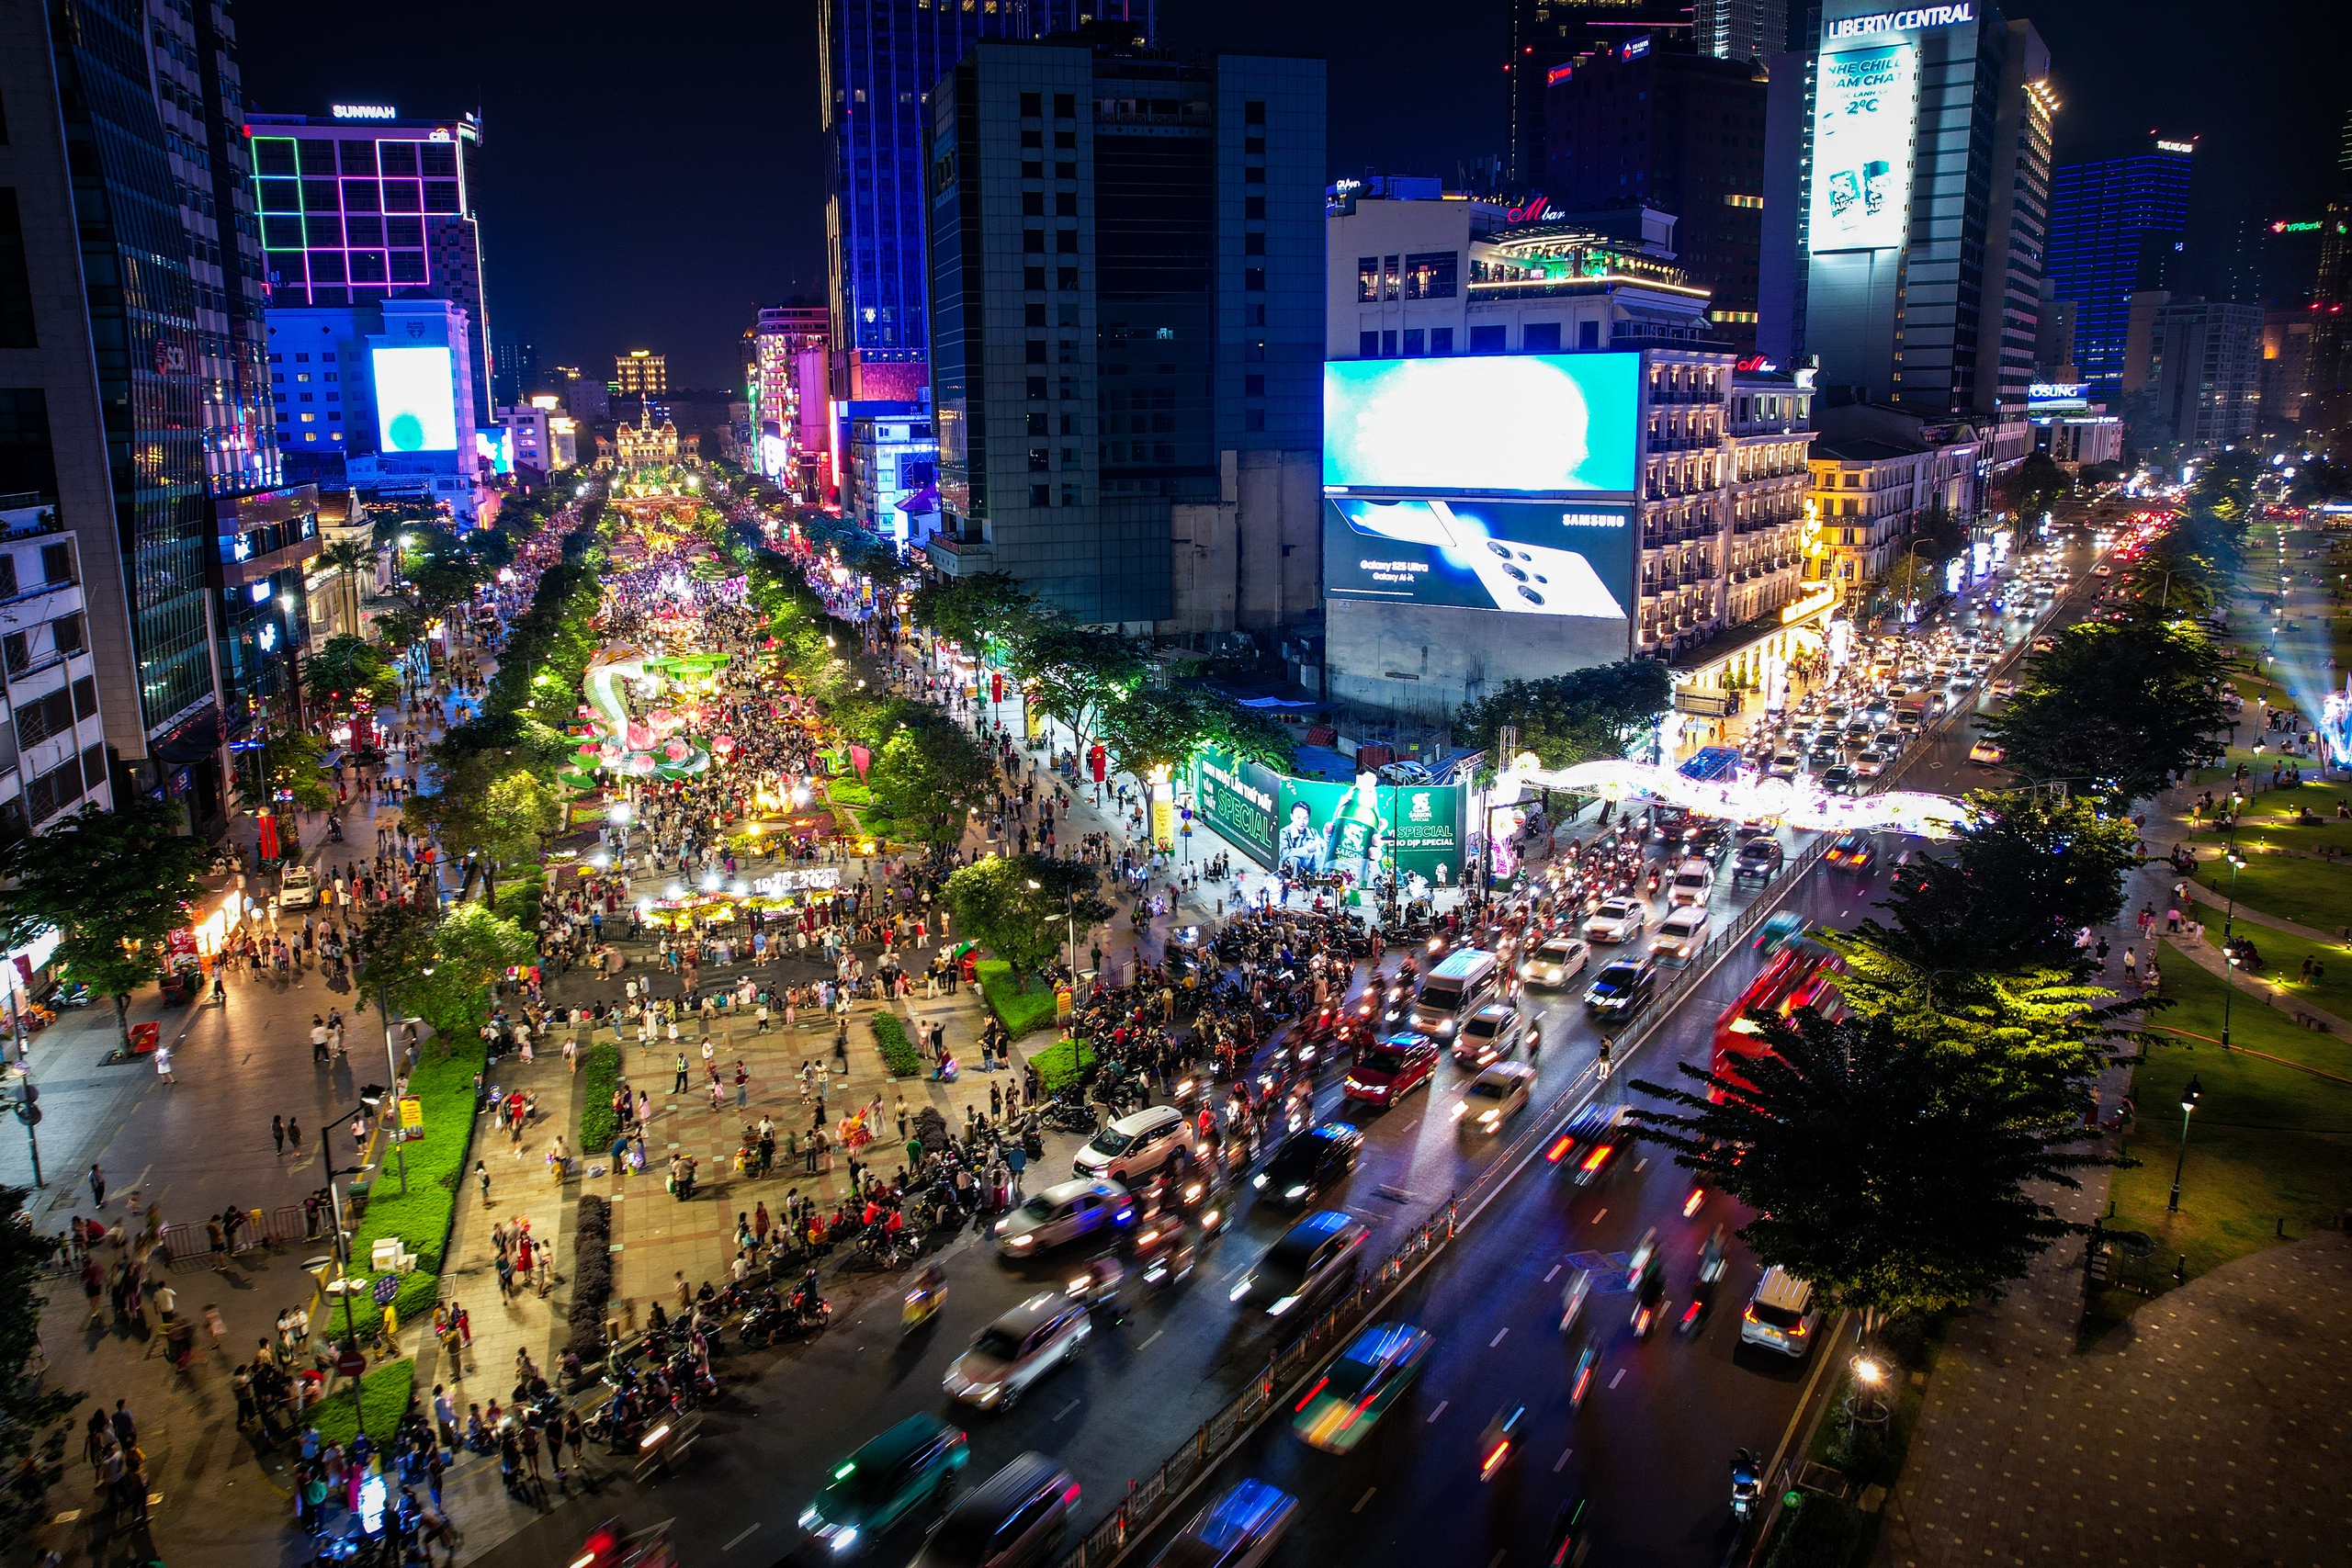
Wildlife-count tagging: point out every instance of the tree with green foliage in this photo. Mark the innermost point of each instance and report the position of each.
(1893, 1181)
(440, 966)
(1021, 908)
(928, 772)
(2036, 486)
(32, 1413)
(989, 614)
(519, 814)
(349, 671)
(2319, 481)
(108, 883)
(1075, 674)
(1152, 730)
(284, 770)
(2121, 710)
(2012, 888)
(1584, 716)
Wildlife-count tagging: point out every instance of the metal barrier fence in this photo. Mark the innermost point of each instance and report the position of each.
(285, 1226)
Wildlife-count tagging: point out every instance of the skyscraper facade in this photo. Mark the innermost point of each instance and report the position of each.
(1740, 29)
(2204, 376)
(1548, 34)
(362, 203)
(1678, 131)
(640, 373)
(2113, 226)
(880, 61)
(784, 356)
(1126, 284)
(132, 376)
(1919, 190)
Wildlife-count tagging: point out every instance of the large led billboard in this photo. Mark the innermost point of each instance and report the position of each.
(1311, 826)
(1866, 110)
(1527, 558)
(1517, 424)
(416, 399)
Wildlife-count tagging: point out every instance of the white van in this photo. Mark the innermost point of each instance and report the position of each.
(1458, 986)
(1694, 883)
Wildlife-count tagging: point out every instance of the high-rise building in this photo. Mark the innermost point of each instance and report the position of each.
(1917, 178)
(132, 373)
(1548, 34)
(361, 204)
(2204, 376)
(640, 373)
(1740, 29)
(2329, 380)
(2286, 370)
(1126, 284)
(387, 387)
(2114, 224)
(1678, 131)
(880, 61)
(785, 372)
(514, 367)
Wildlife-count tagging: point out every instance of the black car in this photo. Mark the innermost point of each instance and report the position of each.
(1622, 988)
(1309, 1163)
(1589, 1146)
(1758, 858)
(1322, 1252)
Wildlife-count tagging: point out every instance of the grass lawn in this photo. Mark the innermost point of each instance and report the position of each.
(2266, 1144)
(1020, 1012)
(2271, 825)
(2308, 892)
(2282, 960)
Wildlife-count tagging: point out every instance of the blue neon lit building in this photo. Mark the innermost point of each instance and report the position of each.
(2116, 226)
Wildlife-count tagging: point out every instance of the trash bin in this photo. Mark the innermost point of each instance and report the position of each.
(144, 1037)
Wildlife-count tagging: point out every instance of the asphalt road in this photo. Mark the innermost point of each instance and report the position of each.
(1650, 1443)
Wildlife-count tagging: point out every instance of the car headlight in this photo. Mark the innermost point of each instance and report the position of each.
(1259, 1182)
(1296, 1190)
(1281, 1306)
(1020, 1241)
(810, 1518)
(845, 1538)
(991, 1393)
(1240, 1290)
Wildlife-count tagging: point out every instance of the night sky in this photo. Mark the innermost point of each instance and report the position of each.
(653, 172)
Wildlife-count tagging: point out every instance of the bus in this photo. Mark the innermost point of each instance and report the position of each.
(1802, 974)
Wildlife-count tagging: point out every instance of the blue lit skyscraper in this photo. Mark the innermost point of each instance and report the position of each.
(2116, 226)
(881, 59)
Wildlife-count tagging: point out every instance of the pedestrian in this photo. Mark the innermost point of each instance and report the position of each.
(125, 1429)
(482, 1175)
(277, 1132)
(294, 1136)
(742, 1085)
(98, 1185)
(164, 1063)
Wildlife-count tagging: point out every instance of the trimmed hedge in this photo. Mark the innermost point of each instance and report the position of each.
(600, 1069)
(591, 1275)
(1062, 1064)
(382, 1399)
(1020, 1012)
(899, 1058)
(436, 1170)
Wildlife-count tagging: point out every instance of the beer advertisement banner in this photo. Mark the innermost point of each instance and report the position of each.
(1309, 827)
(1237, 796)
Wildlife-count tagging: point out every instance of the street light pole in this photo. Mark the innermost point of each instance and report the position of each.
(392, 1069)
(2229, 917)
(2189, 1099)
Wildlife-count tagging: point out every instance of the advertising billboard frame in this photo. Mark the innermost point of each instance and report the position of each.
(1540, 426)
(1363, 827)
(1865, 143)
(416, 382)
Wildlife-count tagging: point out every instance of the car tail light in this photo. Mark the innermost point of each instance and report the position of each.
(1070, 1493)
(1559, 1150)
(1310, 1395)
(1598, 1158)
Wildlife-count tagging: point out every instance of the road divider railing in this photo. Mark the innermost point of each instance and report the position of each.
(1149, 1499)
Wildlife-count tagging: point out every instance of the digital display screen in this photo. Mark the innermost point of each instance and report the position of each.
(1527, 557)
(1866, 110)
(1312, 827)
(416, 399)
(1516, 424)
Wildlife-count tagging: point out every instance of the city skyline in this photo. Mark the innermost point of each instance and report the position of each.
(593, 242)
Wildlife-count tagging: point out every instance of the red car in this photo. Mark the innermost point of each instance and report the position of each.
(1387, 1070)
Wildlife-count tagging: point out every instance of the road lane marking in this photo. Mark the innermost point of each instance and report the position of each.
(1562, 1463)
(1639, 1163)
(1075, 1404)
(1146, 1344)
(1618, 1379)
(1498, 1563)
(1499, 1336)
(1599, 1215)
(741, 1539)
(1438, 1412)
(1553, 1275)
(1363, 1500)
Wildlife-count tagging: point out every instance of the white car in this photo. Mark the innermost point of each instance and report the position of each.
(1680, 935)
(1694, 883)
(297, 889)
(1619, 919)
(1494, 1096)
(1560, 959)
(1869, 762)
(2004, 687)
(1017, 1349)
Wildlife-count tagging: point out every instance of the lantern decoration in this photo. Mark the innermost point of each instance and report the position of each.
(675, 749)
(724, 745)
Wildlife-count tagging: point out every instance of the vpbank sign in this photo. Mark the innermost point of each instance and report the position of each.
(1900, 21)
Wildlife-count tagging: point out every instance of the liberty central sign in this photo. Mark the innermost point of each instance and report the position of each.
(1900, 21)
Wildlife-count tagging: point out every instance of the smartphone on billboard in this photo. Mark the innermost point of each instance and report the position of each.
(1518, 575)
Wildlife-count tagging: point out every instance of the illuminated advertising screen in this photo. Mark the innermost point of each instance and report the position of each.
(1865, 112)
(1517, 424)
(416, 399)
(1364, 828)
(1526, 558)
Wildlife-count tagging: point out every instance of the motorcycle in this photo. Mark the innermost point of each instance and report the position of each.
(922, 1304)
(1570, 1541)
(1573, 1298)
(1649, 1296)
(1586, 1371)
(1500, 1439)
(1747, 1486)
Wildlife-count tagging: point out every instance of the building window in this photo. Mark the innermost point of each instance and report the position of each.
(1041, 495)
(1255, 386)
(1367, 279)
(1413, 342)
(1587, 334)
(1253, 111)
(1253, 280)
(1487, 340)
(1065, 105)
(1367, 346)
(1070, 495)
(1430, 275)
(1253, 175)
(1389, 345)
(1033, 102)
(1254, 207)
(1440, 340)
(1253, 244)
(1540, 337)
(1253, 418)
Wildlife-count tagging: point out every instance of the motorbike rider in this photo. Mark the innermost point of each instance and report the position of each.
(807, 1295)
